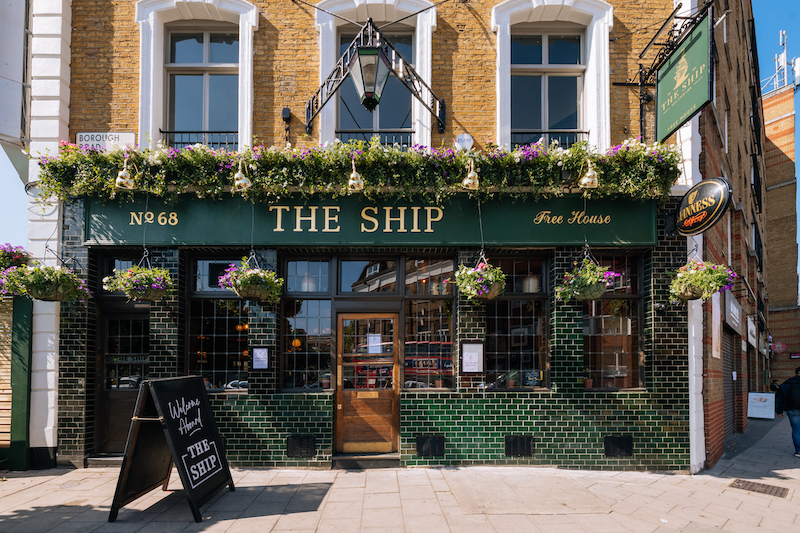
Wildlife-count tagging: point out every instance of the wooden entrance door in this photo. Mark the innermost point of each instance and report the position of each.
(122, 365)
(367, 384)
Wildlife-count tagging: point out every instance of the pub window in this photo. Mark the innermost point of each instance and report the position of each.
(374, 275)
(516, 328)
(612, 330)
(307, 344)
(546, 87)
(218, 343)
(428, 331)
(307, 276)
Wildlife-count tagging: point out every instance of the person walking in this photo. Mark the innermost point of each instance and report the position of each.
(788, 399)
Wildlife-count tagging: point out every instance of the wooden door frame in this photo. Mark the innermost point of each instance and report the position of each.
(339, 394)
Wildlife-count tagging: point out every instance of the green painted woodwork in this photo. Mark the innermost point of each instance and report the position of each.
(19, 456)
(354, 221)
(683, 83)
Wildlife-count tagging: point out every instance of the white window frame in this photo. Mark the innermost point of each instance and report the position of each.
(597, 17)
(546, 70)
(392, 31)
(205, 68)
(424, 25)
(153, 16)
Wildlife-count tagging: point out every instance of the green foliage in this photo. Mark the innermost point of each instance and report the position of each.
(137, 281)
(238, 279)
(632, 170)
(13, 256)
(40, 282)
(582, 277)
(701, 278)
(477, 282)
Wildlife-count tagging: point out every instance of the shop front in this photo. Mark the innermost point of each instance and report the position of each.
(364, 352)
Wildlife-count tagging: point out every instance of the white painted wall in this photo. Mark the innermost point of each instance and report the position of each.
(51, 26)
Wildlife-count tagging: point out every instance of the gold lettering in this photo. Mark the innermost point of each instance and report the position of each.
(400, 219)
(545, 217)
(415, 220)
(331, 218)
(431, 220)
(136, 218)
(298, 218)
(149, 217)
(279, 212)
(369, 219)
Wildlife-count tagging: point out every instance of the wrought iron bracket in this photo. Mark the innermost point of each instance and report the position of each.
(370, 35)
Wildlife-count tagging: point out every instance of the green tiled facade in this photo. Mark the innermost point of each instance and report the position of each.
(568, 425)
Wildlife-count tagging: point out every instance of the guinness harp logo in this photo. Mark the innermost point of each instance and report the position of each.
(703, 206)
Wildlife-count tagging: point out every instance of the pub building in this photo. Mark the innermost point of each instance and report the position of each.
(191, 138)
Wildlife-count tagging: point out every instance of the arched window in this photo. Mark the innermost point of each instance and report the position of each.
(549, 49)
(413, 35)
(197, 46)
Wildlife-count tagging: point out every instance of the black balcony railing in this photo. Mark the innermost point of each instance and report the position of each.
(402, 138)
(565, 138)
(228, 140)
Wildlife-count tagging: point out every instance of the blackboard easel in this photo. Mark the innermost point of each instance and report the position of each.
(172, 424)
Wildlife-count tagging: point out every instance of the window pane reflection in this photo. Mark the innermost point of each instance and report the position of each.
(526, 102)
(223, 48)
(563, 102)
(186, 48)
(368, 276)
(307, 344)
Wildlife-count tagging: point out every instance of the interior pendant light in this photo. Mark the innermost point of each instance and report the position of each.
(589, 180)
(124, 180)
(240, 181)
(355, 183)
(471, 181)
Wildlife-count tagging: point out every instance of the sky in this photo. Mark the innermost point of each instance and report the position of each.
(771, 17)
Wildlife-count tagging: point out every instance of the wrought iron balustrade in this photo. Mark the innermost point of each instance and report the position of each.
(228, 140)
(565, 138)
(402, 138)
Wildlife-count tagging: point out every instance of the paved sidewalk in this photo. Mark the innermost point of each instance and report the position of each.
(462, 500)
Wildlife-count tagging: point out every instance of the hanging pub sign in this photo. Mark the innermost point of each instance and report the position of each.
(684, 82)
(703, 206)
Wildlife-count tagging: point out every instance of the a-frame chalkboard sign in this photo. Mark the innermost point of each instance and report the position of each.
(172, 424)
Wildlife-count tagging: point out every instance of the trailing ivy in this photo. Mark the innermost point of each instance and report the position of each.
(631, 169)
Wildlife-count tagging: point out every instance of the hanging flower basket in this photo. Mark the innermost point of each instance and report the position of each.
(482, 283)
(13, 256)
(140, 283)
(252, 283)
(588, 281)
(45, 283)
(590, 292)
(697, 280)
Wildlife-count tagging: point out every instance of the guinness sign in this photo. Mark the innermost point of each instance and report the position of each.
(703, 206)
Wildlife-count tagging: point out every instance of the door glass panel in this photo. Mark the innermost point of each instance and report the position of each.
(368, 276)
(127, 352)
(368, 353)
